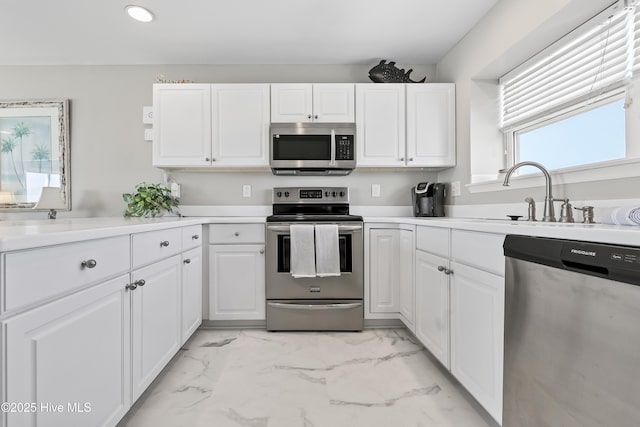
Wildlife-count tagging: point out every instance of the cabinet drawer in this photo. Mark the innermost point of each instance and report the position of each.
(480, 250)
(38, 274)
(191, 237)
(433, 239)
(236, 233)
(155, 245)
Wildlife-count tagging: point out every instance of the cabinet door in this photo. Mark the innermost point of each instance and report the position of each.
(237, 274)
(384, 268)
(334, 103)
(406, 283)
(291, 103)
(71, 352)
(432, 305)
(431, 125)
(181, 125)
(155, 320)
(240, 125)
(477, 324)
(191, 293)
(380, 122)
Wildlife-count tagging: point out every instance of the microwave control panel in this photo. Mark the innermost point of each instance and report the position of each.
(344, 147)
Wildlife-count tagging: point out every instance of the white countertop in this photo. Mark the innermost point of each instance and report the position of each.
(18, 235)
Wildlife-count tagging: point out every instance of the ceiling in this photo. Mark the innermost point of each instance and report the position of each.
(235, 31)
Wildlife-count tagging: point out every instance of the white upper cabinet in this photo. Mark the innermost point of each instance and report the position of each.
(305, 102)
(181, 125)
(380, 122)
(406, 124)
(240, 125)
(431, 124)
(215, 125)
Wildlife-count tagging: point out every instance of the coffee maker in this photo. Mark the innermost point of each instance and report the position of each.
(428, 199)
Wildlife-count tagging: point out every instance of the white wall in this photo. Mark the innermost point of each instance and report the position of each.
(109, 156)
(510, 33)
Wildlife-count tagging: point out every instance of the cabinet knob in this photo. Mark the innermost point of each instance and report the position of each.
(441, 268)
(261, 251)
(411, 159)
(213, 159)
(402, 159)
(140, 282)
(195, 237)
(131, 287)
(164, 243)
(206, 159)
(90, 263)
(315, 117)
(309, 116)
(187, 261)
(236, 234)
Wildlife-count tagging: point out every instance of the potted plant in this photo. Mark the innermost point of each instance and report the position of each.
(150, 200)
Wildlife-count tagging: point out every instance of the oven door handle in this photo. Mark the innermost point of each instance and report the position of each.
(340, 228)
(294, 306)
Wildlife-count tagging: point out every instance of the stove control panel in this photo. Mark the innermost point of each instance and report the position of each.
(311, 195)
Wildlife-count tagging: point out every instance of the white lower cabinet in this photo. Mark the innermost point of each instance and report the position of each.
(73, 352)
(389, 274)
(155, 320)
(237, 282)
(191, 293)
(477, 325)
(432, 305)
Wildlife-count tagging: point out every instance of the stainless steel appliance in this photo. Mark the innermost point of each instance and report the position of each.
(314, 303)
(313, 148)
(428, 199)
(572, 334)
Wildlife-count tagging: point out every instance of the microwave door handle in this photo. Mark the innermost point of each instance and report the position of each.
(333, 147)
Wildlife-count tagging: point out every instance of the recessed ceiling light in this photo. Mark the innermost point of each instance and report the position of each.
(139, 13)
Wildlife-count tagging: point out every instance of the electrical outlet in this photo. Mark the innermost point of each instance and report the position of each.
(455, 188)
(246, 190)
(375, 190)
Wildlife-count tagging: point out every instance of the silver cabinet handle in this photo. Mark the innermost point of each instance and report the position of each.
(195, 237)
(315, 117)
(131, 287)
(187, 261)
(164, 243)
(140, 282)
(206, 159)
(336, 306)
(236, 234)
(213, 159)
(309, 116)
(261, 251)
(445, 270)
(411, 159)
(441, 268)
(402, 159)
(90, 263)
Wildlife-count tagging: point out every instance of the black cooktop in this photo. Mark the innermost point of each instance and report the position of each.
(313, 218)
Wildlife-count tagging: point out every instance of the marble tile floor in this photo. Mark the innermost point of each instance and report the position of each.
(254, 378)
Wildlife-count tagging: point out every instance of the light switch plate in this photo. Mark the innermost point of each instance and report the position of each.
(147, 115)
(375, 190)
(246, 190)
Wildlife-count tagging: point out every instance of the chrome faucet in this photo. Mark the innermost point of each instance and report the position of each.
(549, 213)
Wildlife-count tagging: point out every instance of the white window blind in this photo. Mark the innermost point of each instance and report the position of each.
(593, 61)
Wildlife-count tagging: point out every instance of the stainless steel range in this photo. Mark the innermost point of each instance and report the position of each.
(314, 301)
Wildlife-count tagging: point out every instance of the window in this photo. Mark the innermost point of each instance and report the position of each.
(565, 107)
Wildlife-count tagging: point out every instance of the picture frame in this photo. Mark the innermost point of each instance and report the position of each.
(34, 152)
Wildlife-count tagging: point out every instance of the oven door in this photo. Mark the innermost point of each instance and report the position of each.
(280, 284)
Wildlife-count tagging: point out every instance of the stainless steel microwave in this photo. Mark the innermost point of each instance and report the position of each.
(313, 148)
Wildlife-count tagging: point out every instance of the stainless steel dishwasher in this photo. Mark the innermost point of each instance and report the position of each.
(572, 334)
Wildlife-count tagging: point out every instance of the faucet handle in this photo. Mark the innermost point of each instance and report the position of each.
(587, 214)
(566, 214)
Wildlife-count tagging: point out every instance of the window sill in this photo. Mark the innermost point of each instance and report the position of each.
(614, 169)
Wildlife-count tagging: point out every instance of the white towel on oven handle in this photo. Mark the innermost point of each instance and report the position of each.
(302, 256)
(327, 250)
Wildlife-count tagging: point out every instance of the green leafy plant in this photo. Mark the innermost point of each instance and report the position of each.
(150, 200)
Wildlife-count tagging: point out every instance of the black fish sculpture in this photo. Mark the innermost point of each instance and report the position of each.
(389, 73)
